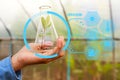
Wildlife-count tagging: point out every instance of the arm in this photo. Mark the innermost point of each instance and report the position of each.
(10, 67)
(7, 71)
(25, 57)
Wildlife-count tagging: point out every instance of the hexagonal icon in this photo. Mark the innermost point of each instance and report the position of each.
(108, 45)
(92, 53)
(92, 34)
(92, 18)
(106, 27)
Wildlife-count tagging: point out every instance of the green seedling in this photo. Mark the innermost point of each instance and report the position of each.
(46, 22)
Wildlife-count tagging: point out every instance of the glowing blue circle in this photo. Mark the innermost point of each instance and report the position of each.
(52, 13)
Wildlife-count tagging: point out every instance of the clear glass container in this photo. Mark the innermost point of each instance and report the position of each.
(46, 32)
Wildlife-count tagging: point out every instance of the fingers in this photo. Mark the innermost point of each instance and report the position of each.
(60, 44)
(57, 49)
(36, 47)
(42, 48)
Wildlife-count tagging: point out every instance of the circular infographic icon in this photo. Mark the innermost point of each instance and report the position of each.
(43, 13)
(92, 19)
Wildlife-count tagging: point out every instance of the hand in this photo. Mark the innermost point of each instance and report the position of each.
(25, 57)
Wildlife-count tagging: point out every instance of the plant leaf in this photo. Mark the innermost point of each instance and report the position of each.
(48, 19)
(49, 25)
(43, 22)
(48, 22)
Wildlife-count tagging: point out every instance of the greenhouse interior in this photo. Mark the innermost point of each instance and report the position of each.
(91, 32)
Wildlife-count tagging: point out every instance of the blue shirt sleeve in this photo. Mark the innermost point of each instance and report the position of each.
(7, 72)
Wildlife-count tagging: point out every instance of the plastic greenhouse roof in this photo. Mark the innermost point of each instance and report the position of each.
(15, 13)
(12, 19)
(13, 16)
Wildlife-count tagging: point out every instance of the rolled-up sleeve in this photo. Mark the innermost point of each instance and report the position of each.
(7, 72)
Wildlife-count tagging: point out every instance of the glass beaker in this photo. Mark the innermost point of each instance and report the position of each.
(46, 32)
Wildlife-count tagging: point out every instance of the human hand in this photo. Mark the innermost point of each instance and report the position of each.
(26, 57)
